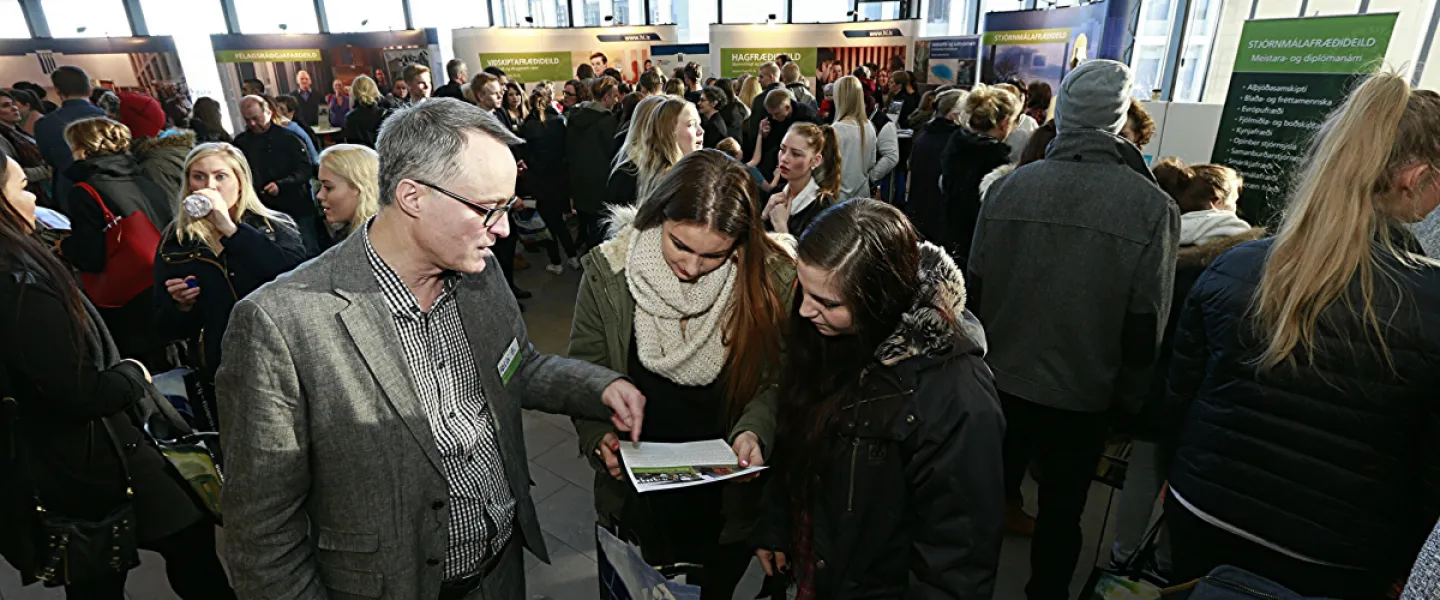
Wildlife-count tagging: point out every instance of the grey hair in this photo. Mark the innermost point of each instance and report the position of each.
(422, 142)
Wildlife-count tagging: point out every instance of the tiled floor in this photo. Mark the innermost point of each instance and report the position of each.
(563, 482)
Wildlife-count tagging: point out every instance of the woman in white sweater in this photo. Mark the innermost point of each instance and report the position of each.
(858, 143)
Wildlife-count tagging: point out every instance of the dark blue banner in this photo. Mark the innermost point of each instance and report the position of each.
(630, 37)
(105, 45)
(872, 33)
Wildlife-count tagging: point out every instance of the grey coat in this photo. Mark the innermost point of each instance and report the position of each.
(1072, 268)
(335, 488)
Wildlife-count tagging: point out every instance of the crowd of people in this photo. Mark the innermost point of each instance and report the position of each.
(902, 334)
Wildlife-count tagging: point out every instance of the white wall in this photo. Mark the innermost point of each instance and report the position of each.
(1404, 50)
(109, 67)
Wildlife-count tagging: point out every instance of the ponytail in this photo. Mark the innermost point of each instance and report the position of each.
(1342, 215)
(1198, 187)
(827, 177)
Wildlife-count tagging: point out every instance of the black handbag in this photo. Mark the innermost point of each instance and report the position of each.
(70, 550)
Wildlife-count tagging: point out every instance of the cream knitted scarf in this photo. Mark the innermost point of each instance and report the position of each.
(692, 353)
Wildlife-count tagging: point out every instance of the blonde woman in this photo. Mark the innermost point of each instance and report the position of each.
(749, 90)
(1305, 369)
(857, 139)
(207, 264)
(362, 123)
(664, 130)
(990, 114)
(349, 193)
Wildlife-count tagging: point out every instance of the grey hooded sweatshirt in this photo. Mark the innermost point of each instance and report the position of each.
(1073, 262)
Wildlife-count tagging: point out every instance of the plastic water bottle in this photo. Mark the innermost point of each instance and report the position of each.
(197, 206)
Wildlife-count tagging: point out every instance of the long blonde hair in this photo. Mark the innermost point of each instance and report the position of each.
(359, 166)
(750, 90)
(192, 228)
(651, 147)
(1343, 214)
(850, 106)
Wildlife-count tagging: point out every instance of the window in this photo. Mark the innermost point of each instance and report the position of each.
(542, 13)
(1152, 45)
(822, 11)
(949, 17)
(364, 15)
(692, 18)
(191, 24)
(12, 21)
(84, 18)
(752, 11)
(276, 16)
(1196, 50)
(445, 15)
(880, 11)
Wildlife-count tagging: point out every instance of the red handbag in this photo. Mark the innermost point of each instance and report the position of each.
(130, 245)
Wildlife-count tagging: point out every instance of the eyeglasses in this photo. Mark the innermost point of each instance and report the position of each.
(491, 215)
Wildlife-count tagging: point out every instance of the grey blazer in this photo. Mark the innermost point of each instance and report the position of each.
(334, 487)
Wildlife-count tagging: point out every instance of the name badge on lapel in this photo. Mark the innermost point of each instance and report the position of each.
(510, 362)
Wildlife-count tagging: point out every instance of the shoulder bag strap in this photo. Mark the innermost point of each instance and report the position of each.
(109, 216)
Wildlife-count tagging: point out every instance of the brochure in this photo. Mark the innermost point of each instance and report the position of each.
(655, 466)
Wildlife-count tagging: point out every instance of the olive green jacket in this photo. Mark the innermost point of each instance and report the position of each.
(601, 333)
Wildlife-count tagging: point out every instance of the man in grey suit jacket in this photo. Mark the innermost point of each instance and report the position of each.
(371, 399)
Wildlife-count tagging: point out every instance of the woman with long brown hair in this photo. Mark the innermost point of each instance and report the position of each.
(888, 479)
(70, 403)
(810, 166)
(687, 299)
(1305, 371)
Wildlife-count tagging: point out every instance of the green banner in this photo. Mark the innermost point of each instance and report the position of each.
(298, 55)
(735, 62)
(1289, 75)
(1028, 36)
(530, 67)
(1314, 45)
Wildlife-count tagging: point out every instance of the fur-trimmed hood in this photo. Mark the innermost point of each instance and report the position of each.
(994, 176)
(183, 140)
(618, 228)
(1199, 257)
(937, 323)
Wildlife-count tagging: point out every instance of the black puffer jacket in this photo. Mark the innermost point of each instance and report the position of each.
(913, 505)
(589, 147)
(544, 154)
(259, 251)
(968, 159)
(927, 207)
(362, 124)
(279, 156)
(1336, 461)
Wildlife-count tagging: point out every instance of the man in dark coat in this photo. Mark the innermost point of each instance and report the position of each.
(769, 80)
(1071, 271)
(281, 169)
(589, 148)
(73, 84)
(783, 111)
(309, 100)
(458, 74)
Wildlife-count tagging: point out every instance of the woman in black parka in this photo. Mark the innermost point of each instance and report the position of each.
(888, 479)
(1306, 369)
(207, 264)
(68, 382)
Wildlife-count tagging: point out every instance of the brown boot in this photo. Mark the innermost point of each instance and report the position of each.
(1017, 522)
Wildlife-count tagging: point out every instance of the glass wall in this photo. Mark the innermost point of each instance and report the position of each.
(12, 21)
(753, 11)
(1152, 43)
(821, 11)
(1196, 51)
(83, 18)
(363, 15)
(276, 16)
(191, 23)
